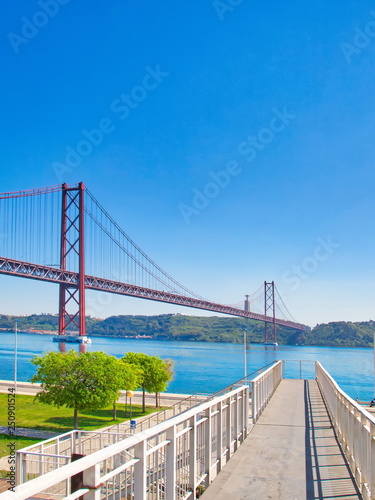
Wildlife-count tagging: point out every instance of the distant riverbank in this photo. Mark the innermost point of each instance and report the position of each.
(178, 327)
(53, 333)
(34, 332)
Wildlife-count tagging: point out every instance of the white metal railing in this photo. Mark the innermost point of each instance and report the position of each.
(40, 458)
(170, 460)
(167, 461)
(263, 386)
(355, 430)
(302, 369)
(160, 416)
(51, 454)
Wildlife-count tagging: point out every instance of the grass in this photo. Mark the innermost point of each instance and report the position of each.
(21, 442)
(30, 413)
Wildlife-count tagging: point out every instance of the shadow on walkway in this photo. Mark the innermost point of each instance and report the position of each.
(291, 453)
(328, 475)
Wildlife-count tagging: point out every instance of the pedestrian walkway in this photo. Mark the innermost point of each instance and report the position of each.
(290, 454)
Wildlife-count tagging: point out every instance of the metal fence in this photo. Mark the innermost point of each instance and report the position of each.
(355, 430)
(168, 461)
(299, 369)
(51, 454)
(172, 459)
(263, 386)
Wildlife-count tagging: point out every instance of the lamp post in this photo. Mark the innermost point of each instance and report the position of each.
(130, 394)
(244, 353)
(15, 357)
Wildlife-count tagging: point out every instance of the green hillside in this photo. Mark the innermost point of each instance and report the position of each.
(207, 329)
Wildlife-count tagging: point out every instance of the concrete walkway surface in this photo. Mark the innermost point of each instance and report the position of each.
(290, 454)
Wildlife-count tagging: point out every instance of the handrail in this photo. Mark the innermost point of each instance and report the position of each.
(263, 387)
(224, 420)
(242, 381)
(119, 431)
(355, 430)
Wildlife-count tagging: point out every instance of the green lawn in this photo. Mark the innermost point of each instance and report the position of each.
(32, 414)
(21, 442)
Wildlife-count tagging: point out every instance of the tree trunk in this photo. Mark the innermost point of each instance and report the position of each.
(143, 400)
(75, 418)
(157, 398)
(114, 411)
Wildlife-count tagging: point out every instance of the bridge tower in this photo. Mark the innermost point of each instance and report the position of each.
(269, 310)
(72, 311)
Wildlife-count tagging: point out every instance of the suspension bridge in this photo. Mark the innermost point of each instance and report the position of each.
(61, 234)
(308, 427)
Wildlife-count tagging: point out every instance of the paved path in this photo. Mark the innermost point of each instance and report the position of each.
(33, 433)
(290, 454)
(166, 398)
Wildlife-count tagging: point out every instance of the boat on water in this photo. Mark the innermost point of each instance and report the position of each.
(270, 343)
(72, 339)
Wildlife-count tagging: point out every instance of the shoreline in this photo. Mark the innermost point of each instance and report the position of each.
(31, 389)
(114, 337)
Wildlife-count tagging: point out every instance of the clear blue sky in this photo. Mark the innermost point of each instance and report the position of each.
(279, 96)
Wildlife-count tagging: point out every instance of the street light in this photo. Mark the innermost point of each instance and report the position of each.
(15, 357)
(130, 394)
(244, 352)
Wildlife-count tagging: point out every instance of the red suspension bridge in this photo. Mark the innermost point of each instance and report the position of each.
(61, 234)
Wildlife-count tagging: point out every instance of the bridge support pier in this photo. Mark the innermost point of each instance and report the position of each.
(72, 310)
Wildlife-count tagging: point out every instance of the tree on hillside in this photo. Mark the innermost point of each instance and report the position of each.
(154, 373)
(80, 381)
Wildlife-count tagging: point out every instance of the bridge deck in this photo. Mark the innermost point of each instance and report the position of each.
(290, 454)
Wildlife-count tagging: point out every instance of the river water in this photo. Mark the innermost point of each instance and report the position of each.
(201, 366)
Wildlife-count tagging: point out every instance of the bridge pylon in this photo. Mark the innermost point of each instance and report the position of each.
(247, 304)
(72, 310)
(269, 310)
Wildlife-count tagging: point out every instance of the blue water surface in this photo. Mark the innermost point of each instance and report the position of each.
(202, 367)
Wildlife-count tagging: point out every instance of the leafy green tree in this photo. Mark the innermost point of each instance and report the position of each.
(130, 377)
(80, 381)
(154, 375)
(163, 378)
(141, 362)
